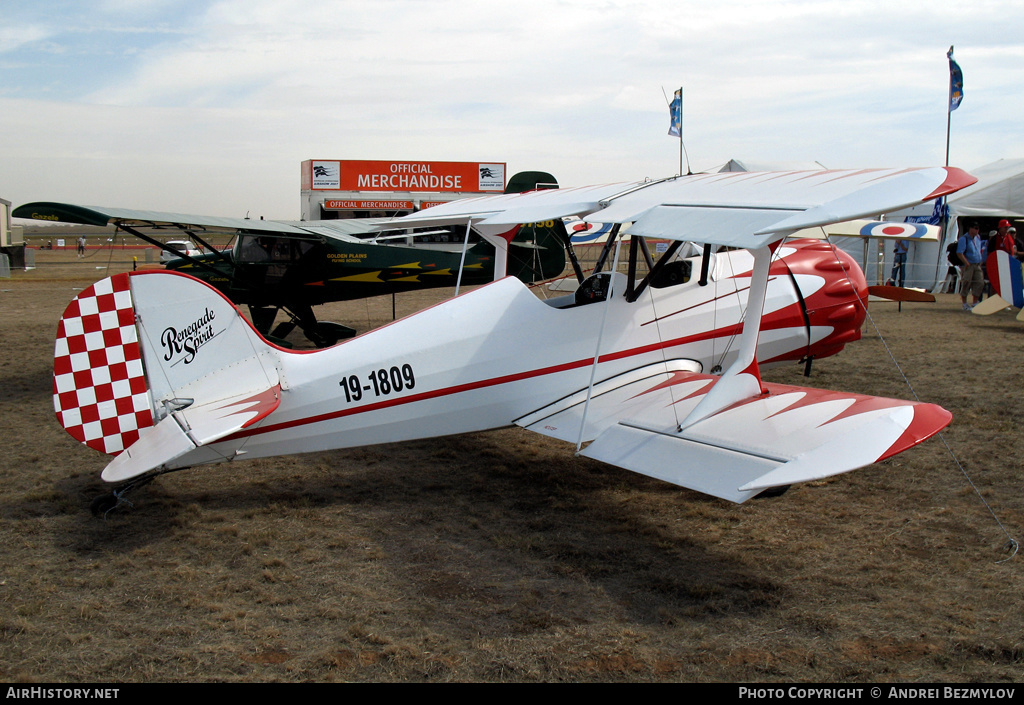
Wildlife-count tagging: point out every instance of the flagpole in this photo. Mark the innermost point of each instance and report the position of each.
(953, 98)
(949, 111)
(680, 130)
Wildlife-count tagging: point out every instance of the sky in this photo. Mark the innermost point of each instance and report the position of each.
(209, 106)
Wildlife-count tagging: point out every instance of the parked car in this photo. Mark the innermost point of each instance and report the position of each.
(184, 246)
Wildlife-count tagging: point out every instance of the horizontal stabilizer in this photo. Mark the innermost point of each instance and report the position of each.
(900, 293)
(186, 429)
(788, 435)
(210, 422)
(156, 446)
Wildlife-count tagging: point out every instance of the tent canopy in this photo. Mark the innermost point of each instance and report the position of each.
(744, 165)
(999, 191)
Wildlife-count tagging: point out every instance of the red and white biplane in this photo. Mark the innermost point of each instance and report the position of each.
(659, 374)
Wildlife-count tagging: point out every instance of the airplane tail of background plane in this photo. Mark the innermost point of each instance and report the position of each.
(1004, 273)
(537, 252)
(149, 366)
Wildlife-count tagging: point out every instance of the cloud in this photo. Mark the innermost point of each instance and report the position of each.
(573, 87)
(13, 37)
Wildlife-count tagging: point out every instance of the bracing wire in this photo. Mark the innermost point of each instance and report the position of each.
(1012, 544)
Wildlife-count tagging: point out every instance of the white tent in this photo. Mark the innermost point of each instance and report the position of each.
(738, 165)
(999, 192)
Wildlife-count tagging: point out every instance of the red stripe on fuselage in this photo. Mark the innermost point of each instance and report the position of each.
(492, 382)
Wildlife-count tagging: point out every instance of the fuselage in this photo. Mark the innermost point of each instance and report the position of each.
(492, 355)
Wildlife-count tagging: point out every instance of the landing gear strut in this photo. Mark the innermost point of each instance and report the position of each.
(322, 334)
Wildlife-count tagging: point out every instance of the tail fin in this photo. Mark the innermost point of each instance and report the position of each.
(529, 181)
(537, 252)
(1004, 272)
(139, 367)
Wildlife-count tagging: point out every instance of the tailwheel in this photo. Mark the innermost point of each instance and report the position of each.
(104, 504)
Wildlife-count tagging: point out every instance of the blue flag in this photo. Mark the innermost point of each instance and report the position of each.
(938, 211)
(956, 82)
(675, 110)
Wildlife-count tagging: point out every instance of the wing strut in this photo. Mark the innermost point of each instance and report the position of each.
(181, 255)
(613, 235)
(600, 334)
(191, 233)
(743, 378)
(462, 262)
(635, 292)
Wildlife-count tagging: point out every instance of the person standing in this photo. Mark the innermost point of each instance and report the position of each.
(1017, 243)
(899, 263)
(950, 286)
(969, 252)
(1005, 239)
(81, 245)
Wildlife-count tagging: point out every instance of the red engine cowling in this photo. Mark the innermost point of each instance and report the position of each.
(840, 303)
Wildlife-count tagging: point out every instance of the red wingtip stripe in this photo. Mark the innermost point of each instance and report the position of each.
(956, 179)
(929, 419)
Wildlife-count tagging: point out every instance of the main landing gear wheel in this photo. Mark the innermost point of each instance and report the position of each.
(773, 492)
(326, 334)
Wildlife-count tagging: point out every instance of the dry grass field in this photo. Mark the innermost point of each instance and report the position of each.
(502, 557)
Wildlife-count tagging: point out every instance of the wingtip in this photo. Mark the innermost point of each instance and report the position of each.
(929, 419)
(956, 179)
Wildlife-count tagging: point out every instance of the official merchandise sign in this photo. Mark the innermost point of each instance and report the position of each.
(358, 175)
(338, 204)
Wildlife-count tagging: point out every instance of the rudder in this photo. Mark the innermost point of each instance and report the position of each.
(100, 394)
(151, 365)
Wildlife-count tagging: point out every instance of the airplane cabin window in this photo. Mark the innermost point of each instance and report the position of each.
(673, 273)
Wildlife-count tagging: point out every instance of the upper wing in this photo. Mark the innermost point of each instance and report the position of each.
(739, 209)
(98, 215)
(348, 230)
(789, 434)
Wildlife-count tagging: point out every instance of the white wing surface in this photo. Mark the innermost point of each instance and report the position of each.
(733, 436)
(739, 209)
(784, 436)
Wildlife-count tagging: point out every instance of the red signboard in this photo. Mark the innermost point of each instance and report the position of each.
(338, 205)
(359, 175)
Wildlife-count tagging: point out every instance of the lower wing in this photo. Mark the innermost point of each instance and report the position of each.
(784, 436)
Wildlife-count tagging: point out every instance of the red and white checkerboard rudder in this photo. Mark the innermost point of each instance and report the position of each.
(99, 386)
